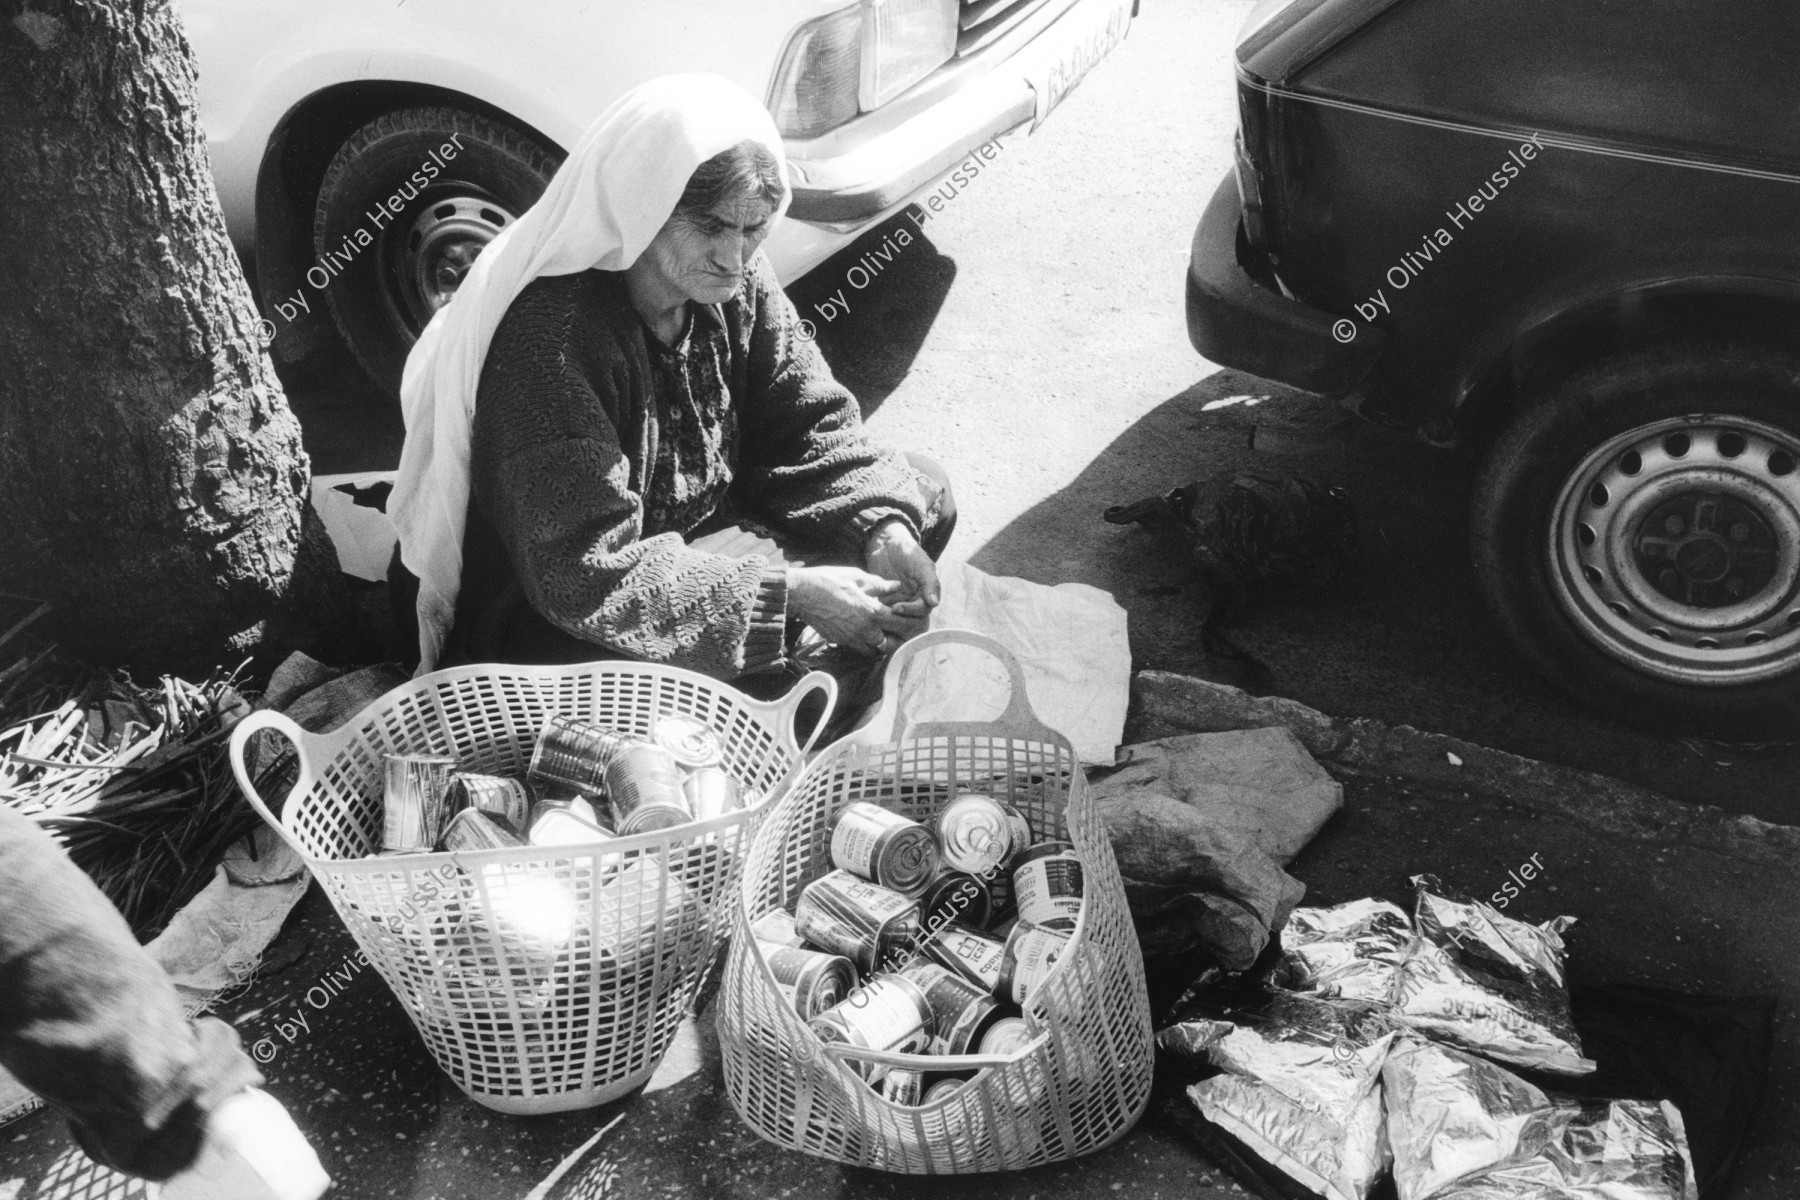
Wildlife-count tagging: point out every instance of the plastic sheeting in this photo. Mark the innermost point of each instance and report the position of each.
(1297, 1084)
(1485, 982)
(1461, 1127)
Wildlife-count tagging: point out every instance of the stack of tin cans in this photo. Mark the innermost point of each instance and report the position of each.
(523, 938)
(926, 939)
(586, 783)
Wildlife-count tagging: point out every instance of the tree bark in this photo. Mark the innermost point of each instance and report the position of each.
(152, 480)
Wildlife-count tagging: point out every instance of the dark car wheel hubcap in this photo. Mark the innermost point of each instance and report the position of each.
(427, 258)
(1676, 548)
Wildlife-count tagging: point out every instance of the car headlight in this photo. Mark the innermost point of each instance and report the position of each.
(857, 59)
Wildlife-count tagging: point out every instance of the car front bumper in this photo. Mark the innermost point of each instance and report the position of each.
(877, 162)
(1237, 320)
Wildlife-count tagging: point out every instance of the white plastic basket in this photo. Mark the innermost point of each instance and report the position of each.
(542, 979)
(1085, 1077)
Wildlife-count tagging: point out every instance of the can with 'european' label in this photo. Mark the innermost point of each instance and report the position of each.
(1031, 954)
(1047, 886)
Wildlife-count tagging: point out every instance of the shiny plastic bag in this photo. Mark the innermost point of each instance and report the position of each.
(1298, 1084)
(1461, 1128)
(1350, 951)
(1488, 983)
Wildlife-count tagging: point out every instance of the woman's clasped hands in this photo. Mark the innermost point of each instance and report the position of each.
(871, 610)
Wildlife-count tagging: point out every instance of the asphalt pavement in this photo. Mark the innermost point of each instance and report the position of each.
(1031, 337)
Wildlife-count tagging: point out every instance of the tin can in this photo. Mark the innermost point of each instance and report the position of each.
(979, 833)
(954, 898)
(506, 800)
(472, 829)
(413, 798)
(882, 846)
(1031, 954)
(1047, 885)
(889, 1013)
(811, 982)
(643, 785)
(943, 1087)
(904, 1087)
(711, 792)
(572, 753)
(960, 1011)
(868, 924)
(565, 823)
(978, 957)
(776, 928)
(1008, 1035)
(693, 742)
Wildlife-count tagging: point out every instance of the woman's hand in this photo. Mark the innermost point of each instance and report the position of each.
(851, 607)
(894, 553)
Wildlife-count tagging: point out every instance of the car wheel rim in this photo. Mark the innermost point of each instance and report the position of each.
(1676, 548)
(428, 258)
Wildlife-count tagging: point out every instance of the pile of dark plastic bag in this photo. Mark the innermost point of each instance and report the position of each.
(1439, 1050)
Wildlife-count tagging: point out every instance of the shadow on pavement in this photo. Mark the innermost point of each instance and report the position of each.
(1405, 634)
(872, 346)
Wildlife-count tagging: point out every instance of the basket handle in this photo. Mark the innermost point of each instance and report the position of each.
(1018, 720)
(934, 1062)
(249, 727)
(788, 707)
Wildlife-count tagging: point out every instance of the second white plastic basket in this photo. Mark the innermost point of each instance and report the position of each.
(1084, 1079)
(541, 979)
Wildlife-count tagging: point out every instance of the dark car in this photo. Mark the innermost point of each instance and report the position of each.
(1565, 232)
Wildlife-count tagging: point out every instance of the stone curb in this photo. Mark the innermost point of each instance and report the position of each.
(1365, 747)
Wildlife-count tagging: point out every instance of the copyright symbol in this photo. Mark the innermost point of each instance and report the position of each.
(265, 331)
(264, 1051)
(1344, 330)
(807, 329)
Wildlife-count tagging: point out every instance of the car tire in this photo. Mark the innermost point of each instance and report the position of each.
(384, 273)
(1636, 531)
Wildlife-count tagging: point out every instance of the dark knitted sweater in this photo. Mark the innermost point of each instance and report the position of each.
(596, 450)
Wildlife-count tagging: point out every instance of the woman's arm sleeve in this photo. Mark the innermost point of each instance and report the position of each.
(809, 464)
(551, 478)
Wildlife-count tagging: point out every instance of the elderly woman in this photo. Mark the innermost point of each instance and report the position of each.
(620, 444)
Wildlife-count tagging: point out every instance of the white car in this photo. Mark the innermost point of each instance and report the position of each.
(365, 150)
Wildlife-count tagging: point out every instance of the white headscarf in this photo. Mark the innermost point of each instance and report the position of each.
(604, 205)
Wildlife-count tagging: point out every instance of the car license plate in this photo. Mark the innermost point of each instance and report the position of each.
(1099, 27)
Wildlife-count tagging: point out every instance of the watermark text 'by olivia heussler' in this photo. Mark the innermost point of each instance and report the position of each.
(318, 997)
(864, 271)
(1413, 263)
(334, 259)
(1409, 985)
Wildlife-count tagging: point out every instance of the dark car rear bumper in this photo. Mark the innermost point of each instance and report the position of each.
(1236, 320)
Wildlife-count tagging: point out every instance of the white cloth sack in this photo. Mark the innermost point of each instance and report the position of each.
(604, 205)
(1069, 640)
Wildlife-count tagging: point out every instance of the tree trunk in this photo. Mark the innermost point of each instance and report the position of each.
(152, 480)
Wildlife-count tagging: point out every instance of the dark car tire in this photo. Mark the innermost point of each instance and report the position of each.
(383, 275)
(1636, 531)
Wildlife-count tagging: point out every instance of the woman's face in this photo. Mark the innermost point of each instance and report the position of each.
(702, 255)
